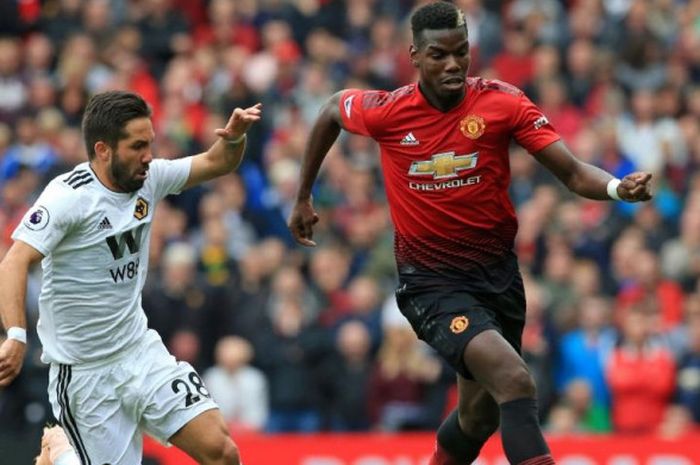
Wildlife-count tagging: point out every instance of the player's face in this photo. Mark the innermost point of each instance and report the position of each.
(443, 60)
(130, 160)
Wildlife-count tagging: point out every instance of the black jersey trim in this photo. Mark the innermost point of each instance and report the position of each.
(67, 419)
(79, 178)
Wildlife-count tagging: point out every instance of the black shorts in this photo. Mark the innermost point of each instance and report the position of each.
(447, 316)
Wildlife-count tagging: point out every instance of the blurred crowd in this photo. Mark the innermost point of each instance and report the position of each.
(291, 339)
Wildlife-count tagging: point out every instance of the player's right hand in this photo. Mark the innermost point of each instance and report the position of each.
(11, 358)
(301, 222)
(56, 442)
(635, 187)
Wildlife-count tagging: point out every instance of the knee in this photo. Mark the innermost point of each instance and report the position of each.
(518, 384)
(479, 426)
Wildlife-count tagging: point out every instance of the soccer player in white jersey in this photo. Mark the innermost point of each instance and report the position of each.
(110, 376)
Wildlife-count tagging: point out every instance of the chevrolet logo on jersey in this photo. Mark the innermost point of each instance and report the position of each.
(444, 165)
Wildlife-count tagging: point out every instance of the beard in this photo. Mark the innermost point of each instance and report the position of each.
(121, 176)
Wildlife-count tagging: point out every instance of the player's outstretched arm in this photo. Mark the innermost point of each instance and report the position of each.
(323, 134)
(590, 181)
(225, 154)
(14, 269)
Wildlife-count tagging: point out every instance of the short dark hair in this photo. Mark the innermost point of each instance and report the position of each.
(106, 116)
(437, 15)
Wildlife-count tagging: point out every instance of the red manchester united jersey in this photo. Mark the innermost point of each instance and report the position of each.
(447, 174)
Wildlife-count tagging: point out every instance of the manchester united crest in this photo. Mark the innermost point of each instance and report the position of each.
(459, 324)
(141, 209)
(472, 126)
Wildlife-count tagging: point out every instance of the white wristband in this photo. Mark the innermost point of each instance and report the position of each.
(67, 458)
(237, 140)
(612, 189)
(17, 333)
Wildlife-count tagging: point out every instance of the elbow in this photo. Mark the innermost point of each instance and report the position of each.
(575, 180)
(328, 117)
(573, 184)
(569, 181)
(330, 112)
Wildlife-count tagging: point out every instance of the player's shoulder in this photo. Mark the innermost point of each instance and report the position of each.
(385, 99)
(75, 180)
(158, 164)
(502, 88)
(72, 185)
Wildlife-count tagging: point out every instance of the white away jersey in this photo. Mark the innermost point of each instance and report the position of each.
(95, 246)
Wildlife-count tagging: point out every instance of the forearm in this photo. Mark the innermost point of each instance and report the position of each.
(225, 156)
(12, 291)
(323, 135)
(589, 181)
(581, 178)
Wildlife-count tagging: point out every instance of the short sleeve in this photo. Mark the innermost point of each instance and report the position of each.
(49, 220)
(531, 128)
(352, 111)
(169, 176)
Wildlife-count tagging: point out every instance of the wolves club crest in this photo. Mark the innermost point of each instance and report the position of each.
(141, 210)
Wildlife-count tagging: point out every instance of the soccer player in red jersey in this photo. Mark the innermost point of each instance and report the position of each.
(444, 152)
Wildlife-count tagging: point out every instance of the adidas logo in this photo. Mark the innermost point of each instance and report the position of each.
(409, 139)
(104, 224)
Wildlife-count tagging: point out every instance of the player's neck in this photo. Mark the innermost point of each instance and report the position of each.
(442, 104)
(103, 176)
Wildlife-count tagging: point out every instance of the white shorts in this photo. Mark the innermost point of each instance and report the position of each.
(105, 406)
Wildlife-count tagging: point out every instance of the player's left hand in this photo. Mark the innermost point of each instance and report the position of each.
(635, 187)
(301, 222)
(240, 121)
(11, 358)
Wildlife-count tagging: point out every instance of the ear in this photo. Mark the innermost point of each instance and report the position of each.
(413, 54)
(102, 150)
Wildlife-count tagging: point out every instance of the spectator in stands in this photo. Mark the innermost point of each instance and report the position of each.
(677, 422)
(641, 374)
(649, 283)
(537, 342)
(238, 388)
(344, 379)
(30, 151)
(649, 142)
(163, 30)
(288, 354)
(583, 353)
(329, 270)
(364, 305)
(400, 379)
(688, 378)
(13, 93)
(577, 412)
(680, 256)
(182, 301)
